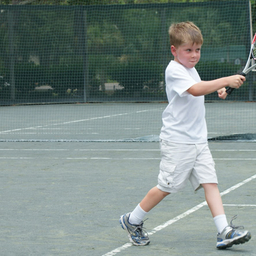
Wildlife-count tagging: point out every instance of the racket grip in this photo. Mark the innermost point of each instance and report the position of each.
(229, 90)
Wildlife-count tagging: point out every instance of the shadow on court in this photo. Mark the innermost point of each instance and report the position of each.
(66, 199)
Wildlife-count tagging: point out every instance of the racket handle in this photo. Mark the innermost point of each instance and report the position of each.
(229, 90)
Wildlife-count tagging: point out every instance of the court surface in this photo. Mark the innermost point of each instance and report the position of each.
(113, 121)
(65, 198)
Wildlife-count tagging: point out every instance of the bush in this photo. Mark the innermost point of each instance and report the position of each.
(213, 70)
(136, 75)
(64, 77)
(27, 77)
(60, 78)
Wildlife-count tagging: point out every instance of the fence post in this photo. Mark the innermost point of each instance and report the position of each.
(11, 54)
(85, 56)
(163, 43)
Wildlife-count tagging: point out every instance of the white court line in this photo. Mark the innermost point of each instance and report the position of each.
(83, 149)
(33, 149)
(76, 121)
(235, 159)
(158, 150)
(154, 158)
(240, 205)
(110, 158)
(179, 217)
(233, 150)
(78, 158)
(17, 158)
(121, 158)
(63, 123)
(123, 150)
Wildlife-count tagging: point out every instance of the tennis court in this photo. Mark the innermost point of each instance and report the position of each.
(68, 171)
(67, 177)
(113, 122)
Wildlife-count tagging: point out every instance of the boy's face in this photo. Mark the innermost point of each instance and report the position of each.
(187, 54)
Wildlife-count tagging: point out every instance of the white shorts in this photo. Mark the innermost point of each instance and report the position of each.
(183, 162)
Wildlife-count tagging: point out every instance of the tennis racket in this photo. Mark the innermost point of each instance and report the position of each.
(247, 68)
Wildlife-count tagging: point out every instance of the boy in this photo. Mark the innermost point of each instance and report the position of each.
(183, 139)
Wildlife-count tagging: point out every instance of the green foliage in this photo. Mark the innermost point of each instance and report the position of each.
(210, 70)
(94, 2)
(127, 45)
(60, 78)
(27, 77)
(65, 77)
(137, 75)
(102, 2)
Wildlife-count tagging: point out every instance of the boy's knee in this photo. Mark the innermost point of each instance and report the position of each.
(164, 193)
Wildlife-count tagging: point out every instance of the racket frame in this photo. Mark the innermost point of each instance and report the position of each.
(247, 69)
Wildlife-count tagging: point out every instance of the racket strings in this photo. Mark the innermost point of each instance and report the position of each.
(253, 56)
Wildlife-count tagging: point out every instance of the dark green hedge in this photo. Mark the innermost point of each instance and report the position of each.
(138, 77)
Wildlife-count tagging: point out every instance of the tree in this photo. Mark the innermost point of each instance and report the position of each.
(127, 37)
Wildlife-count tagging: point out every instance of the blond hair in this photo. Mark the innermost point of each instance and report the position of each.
(185, 32)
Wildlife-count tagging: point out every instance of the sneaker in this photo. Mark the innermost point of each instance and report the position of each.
(136, 233)
(232, 235)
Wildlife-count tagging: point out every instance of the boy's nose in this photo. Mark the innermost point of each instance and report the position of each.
(195, 54)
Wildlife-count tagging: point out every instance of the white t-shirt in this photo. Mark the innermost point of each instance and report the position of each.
(184, 117)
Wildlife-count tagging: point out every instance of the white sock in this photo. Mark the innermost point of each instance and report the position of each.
(220, 222)
(137, 215)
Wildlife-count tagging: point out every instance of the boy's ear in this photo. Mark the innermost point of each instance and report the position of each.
(173, 50)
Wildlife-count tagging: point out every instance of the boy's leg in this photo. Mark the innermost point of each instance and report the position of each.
(177, 161)
(227, 235)
(214, 201)
(133, 222)
(204, 170)
(153, 197)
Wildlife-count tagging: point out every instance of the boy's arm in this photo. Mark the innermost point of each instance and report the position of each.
(207, 87)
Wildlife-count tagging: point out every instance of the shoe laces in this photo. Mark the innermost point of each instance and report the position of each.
(141, 230)
(233, 226)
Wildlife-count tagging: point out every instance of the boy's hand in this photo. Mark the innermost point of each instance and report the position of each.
(236, 81)
(222, 93)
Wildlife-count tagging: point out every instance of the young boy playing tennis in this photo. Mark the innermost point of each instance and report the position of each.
(183, 139)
